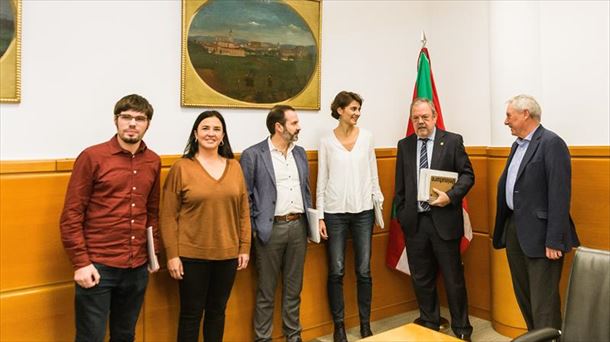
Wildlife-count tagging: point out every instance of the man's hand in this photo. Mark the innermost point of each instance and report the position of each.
(553, 254)
(242, 261)
(174, 267)
(322, 228)
(442, 199)
(87, 277)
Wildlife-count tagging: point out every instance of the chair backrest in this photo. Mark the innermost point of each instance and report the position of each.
(587, 308)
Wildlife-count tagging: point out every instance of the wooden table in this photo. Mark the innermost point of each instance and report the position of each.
(411, 332)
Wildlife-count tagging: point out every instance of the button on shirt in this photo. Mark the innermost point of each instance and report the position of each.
(289, 199)
(429, 148)
(513, 168)
(112, 197)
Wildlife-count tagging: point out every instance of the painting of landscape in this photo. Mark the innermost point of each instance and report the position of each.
(7, 26)
(255, 51)
(10, 51)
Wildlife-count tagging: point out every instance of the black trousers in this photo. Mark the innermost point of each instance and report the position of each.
(206, 285)
(117, 298)
(427, 254)
(536, 283)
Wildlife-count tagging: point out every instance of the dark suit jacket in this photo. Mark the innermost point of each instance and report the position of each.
(448, 154)
(258, 171)
(541, 197)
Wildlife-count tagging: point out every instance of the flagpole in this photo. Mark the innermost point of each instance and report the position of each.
(423, 39)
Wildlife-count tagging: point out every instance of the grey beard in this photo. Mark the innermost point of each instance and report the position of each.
(290, 137)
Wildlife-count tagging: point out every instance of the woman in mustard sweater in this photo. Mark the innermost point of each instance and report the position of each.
(205, 225)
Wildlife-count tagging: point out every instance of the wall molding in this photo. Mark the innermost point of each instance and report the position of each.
(57, 165)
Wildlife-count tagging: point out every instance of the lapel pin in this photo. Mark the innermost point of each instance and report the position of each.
(442, 143)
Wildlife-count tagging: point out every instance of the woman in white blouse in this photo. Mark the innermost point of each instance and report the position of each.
(347, 182)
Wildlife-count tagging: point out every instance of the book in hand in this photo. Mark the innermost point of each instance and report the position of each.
(313, 219)
(430, 179)
(153, 262)
(378, 206)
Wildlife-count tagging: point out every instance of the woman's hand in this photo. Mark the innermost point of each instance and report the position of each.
(322, 228)
(174, 267)
(242, 261)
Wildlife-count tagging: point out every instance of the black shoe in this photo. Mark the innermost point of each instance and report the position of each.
(444, 324)
(294, 338)
(365, 330)
(424, 324)
(419, 321)
(464, 337)
(339, 334)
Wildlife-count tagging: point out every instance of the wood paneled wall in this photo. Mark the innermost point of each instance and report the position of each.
(36, 288)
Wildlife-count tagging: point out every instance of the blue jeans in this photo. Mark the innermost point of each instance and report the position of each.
(119, 294)
(338, 226)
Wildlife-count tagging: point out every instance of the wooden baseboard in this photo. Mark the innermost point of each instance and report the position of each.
(506, 330)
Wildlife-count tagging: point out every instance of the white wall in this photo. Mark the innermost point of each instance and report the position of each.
(80, 57)
(459, 49)
(556, 51)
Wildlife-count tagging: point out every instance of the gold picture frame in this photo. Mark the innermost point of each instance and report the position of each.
(10, 51)
(244, 68)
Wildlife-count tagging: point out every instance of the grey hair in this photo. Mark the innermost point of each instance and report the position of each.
(420, 100)
(526, 102)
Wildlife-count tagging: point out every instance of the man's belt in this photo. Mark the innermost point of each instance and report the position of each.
(287, 218)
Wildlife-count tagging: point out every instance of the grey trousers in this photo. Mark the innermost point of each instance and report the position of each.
(536, 283)
(284, 253)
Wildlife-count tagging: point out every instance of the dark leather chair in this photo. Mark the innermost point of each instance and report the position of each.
(587, 302)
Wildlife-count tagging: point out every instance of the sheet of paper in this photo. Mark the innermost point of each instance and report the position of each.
(153, 262)
(314, 225)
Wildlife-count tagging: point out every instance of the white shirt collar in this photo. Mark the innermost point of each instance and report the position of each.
(272, 147)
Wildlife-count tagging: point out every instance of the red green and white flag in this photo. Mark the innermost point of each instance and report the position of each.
(396, 253)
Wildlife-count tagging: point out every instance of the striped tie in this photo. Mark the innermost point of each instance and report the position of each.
(423, 164)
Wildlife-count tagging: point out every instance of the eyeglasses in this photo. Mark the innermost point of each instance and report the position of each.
(129, 117)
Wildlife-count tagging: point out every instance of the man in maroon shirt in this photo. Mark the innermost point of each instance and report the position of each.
(112, 197)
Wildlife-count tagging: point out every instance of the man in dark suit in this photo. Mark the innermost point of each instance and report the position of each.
(277, 176)
(533, 218)
(433, 230)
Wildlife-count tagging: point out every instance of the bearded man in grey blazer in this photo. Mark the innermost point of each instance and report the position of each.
(533, 218)
(277, 176)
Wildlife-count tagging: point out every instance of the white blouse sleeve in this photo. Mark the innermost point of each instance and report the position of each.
(322, 177)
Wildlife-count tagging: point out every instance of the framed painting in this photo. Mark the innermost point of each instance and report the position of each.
(10, 50)
(251, 53)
